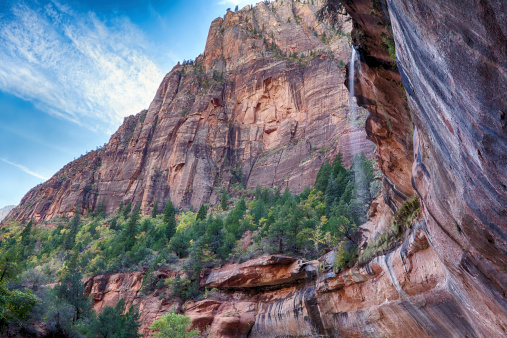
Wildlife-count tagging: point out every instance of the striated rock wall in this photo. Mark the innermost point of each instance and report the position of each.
(451, 59)
(264, 105)
(379, 89)
(455, 74)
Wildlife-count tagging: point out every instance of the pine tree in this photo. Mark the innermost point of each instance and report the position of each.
(224, 200)
(111, 322)
(72, 290)
(131, 228)
(321, 181)
(179, 244)
(154, 211)
(74, 225)
(338, 167)
(201, 214)
(332, 192)
(127, 210)
(25, 234)
(169, 220)
(214, 234)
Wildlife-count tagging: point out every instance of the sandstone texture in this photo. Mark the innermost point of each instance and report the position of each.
(451, 60)
(379, 89)
(456, 80)
(265, 104)
(405, 293)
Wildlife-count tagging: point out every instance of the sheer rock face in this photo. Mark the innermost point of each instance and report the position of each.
(379, 89)
(239, 114)
(452, 62)
(456, 78)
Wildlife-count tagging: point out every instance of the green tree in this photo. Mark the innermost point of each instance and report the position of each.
(224, 199)
(25, 234)
(321, 181)
(332, 191)
(201, 214)
(74, 225)
(179, 244)
(338, 167)
(154, 211)
(228, 244)
(71, 290)
(169, 220)
(173, 325)
(111, 322)
(100, 211)
(127, 210)
(130, 231)
(15, 305)
(214, 234)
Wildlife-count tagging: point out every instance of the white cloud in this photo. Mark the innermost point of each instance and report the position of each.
(25, 169)
(76, 66)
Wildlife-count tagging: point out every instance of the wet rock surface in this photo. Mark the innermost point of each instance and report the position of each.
(453, 74)
(451, 61)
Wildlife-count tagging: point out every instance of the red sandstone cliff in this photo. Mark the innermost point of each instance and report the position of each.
(239, 114)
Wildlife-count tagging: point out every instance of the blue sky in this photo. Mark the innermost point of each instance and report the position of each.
(70, 71)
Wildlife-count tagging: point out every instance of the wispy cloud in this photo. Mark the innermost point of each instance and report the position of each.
(25, 169)
(76, 66)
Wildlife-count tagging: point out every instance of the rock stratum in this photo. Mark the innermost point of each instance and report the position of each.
(265, 104)
(401, 294)
(437, 118)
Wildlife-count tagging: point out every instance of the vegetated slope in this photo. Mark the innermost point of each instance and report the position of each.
(171, 254)
(265, 104)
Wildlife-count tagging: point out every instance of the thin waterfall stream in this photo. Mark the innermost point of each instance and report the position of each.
(352, 119)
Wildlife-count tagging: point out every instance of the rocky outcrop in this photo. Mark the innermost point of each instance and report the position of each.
(264, 271)
(107, 290)
(451, 60)
(379, 89)
(264, 105)
(403, 293)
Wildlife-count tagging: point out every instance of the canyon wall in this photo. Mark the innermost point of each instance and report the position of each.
(451, 58)
(437, 116)
(265, 104)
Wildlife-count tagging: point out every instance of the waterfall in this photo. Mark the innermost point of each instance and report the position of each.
(361, 191)
(352, 70)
